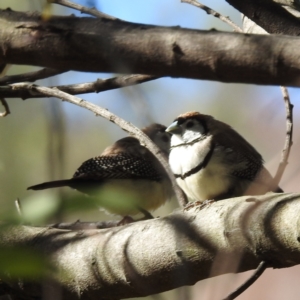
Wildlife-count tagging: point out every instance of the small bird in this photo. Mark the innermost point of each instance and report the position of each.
(129, 170)
(210, 160)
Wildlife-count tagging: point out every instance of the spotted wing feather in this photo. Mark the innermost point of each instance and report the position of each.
(121, 166)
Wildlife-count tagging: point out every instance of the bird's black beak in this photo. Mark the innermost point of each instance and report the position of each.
(174, 128)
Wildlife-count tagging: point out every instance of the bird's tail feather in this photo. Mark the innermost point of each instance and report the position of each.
(50, 185)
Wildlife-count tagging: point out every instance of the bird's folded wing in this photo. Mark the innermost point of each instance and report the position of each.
(121, 166)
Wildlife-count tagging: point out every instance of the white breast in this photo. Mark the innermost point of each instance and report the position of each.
(206, 183)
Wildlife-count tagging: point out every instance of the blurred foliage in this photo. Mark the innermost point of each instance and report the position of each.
(23, 262)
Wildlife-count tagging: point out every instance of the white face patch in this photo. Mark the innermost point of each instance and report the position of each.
(190, 130)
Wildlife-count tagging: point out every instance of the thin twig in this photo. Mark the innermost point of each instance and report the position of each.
(289, 136)
(100, 85)
(91, 11)
(6, 108)
(260, 269)
(31, 76)
(127, 126)
(214, 13)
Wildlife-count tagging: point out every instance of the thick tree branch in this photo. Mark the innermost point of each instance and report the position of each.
(101, 45)
(152, 256)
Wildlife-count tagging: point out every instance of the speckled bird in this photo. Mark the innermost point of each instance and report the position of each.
(127, 168)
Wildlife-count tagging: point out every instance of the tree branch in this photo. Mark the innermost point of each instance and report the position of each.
(92, 11)
(97, 86)
(153, 256)
(30, 76)
(259, 271)
(289, 136)
(101, 45)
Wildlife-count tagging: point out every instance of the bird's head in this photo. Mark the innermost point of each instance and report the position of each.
(189, 128)
(157, 133)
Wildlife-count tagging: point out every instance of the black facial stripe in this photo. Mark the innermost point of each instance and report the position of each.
(202, 137)
(202, 165)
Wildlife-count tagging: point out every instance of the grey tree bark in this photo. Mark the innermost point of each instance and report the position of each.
(102, 45)
(153, 256)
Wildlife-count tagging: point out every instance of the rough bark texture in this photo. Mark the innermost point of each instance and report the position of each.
(149, 257)
(101, 45)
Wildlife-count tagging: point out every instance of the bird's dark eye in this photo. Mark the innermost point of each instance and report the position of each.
(189, 124)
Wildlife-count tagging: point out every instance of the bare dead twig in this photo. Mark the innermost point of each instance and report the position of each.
(6, 108)
(214, 13)
(289, 136)
(91, 11)
(99, 111)
(260, 269)
(97, 86)
(31, 76)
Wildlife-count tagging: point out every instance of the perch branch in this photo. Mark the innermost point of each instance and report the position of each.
(157, 255)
